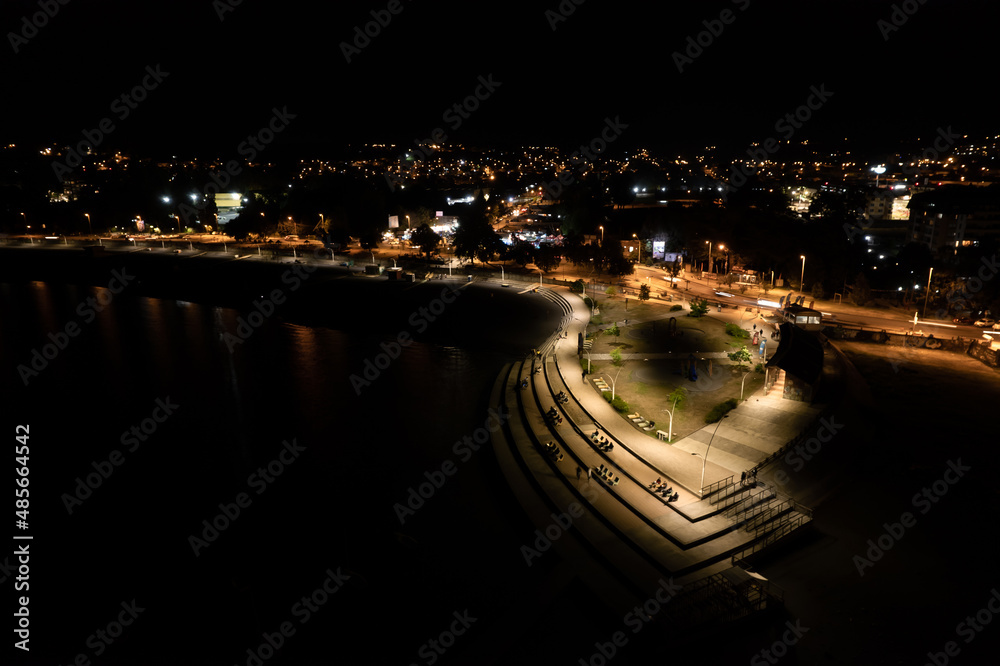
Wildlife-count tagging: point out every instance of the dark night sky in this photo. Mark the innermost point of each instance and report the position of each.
(607, 59)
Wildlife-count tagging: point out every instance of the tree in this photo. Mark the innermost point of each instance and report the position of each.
(547, 258)
(817, 291)
(426, 239)
(521, 253)
(740, 356)
(678, 397)
(644, 292)
(699, 307)
(861, 292)
(616, 357)
(611, 291)
(475, 237)
(615, 331)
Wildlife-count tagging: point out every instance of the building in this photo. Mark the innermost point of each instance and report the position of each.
(955, 217)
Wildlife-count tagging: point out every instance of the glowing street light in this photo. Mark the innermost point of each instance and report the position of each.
(802, 284)
(879, 170)
(600, 227)
(640, 247)
(89, 226)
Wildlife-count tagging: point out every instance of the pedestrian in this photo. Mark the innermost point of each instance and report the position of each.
(578, 472)
(584, 377)
(590, 471)
(743, 478)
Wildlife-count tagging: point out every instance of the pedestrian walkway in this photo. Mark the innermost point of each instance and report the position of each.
(624, 536)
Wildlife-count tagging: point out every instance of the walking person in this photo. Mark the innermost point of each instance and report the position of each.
(578, 472)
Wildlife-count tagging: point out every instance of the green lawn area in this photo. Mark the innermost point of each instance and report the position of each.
(646, 384)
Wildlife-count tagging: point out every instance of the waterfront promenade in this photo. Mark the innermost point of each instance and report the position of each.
(621, 537)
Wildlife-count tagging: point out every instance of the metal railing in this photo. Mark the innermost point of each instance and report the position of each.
(713, 487)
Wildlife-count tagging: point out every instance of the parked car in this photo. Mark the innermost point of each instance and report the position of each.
(984, 322)
(996, 326)
(963, 320)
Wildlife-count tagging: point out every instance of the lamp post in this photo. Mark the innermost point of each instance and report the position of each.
(600, 227)
(723, 248)
(670, 427)
(928, 294)
(704, 458)
(711, 268)
(640, 247)
(741, 385)
(89, 226)
(539, 277)
(879, 170)
(802, 278)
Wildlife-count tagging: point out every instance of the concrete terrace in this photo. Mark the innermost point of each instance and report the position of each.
(624, 539)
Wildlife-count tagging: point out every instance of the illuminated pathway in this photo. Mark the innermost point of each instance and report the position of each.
(622, 539)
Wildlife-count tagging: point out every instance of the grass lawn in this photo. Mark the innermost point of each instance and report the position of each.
(646, 384)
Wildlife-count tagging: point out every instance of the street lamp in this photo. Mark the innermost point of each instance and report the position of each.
(704, 458)
(879, 170)
(600, 227)
(928, 294)
(711, 269)
(670, 427)
(741, 384)
(89, 226)
(640, 247)
(802, 284)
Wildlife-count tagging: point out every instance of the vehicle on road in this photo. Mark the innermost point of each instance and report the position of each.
(984, 322)
(996, 326)
(962, 320)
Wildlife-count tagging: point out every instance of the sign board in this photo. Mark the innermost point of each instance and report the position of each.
(394, 221)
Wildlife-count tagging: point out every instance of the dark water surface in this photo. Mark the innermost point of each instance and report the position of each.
(328, 508)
